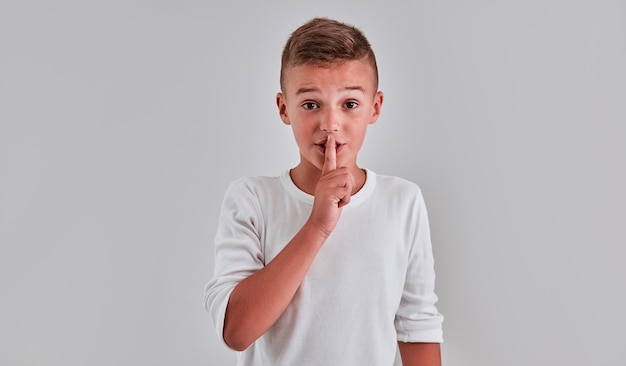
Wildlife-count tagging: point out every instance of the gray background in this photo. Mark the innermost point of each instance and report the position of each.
(122, 122)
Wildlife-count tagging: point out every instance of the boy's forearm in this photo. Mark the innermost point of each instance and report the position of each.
(258, 301)
(420, 354)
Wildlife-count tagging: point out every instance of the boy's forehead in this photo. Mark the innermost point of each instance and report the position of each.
(345, 74)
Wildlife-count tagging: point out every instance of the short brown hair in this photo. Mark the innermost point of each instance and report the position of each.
(323, 41)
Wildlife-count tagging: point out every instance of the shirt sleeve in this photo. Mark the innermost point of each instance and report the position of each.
(417, 318)
(238, 250)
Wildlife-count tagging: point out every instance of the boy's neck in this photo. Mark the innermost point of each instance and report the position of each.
(306, 180)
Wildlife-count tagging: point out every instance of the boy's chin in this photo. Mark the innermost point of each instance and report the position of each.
(317, 164)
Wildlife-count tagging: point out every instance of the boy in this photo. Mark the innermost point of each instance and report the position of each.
(328, 263)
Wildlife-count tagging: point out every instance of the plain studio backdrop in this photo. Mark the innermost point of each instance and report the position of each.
(122, 122)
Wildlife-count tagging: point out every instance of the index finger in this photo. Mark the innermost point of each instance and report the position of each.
(330, 155)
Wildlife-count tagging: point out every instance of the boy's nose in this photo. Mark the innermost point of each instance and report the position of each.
(330, 121)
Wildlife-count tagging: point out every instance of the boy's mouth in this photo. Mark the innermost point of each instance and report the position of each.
(322, 147)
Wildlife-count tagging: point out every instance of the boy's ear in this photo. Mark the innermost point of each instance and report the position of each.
(282, 108)
(378, 104)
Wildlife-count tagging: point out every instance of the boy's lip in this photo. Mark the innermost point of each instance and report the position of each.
(323, 142)
(321, 146)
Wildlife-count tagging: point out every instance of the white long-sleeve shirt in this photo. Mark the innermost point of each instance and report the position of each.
(371, 284)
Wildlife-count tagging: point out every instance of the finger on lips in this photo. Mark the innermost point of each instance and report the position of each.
(330, 155)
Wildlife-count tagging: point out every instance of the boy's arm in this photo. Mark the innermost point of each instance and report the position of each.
(418, 321)
(259, 300)
(420, 354)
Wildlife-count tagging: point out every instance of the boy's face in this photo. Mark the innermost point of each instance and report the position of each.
(338, 99)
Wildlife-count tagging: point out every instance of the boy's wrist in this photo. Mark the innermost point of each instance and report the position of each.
(315, 231)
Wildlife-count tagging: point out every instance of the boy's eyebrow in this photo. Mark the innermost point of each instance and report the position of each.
(306, 90)
(311, 90)
(360, 88)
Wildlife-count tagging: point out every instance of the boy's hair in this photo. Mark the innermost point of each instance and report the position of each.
(323, 41)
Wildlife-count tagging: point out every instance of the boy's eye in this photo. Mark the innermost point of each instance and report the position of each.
(309, 105)
(351, 104)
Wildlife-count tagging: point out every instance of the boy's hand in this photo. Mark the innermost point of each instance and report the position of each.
(332, 192)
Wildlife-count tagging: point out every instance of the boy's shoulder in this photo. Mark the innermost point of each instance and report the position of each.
(395, 183)
(253, 182)
(255, 179)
